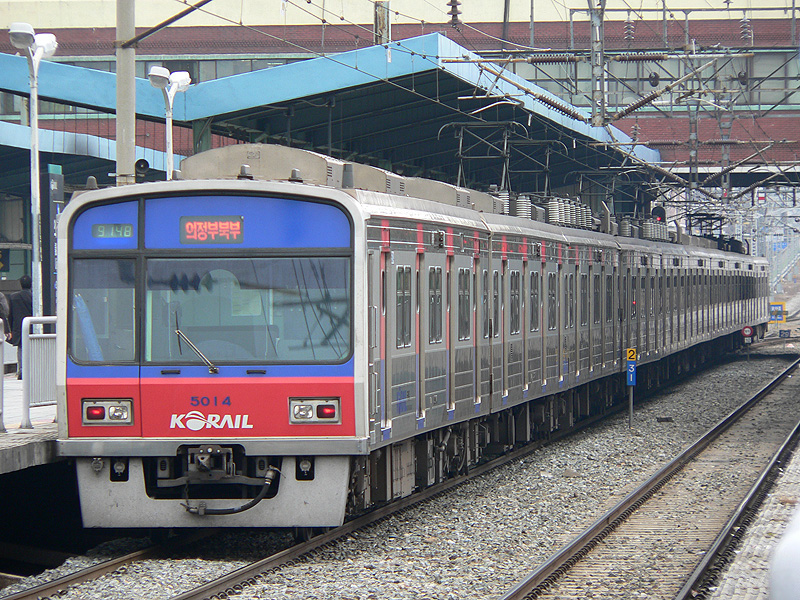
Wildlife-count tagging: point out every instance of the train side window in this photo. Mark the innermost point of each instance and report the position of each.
(569, 301)
(463, 304)
(597, 299)
(514, 309)
(403, 316)
(584, 293)
(485, 304)
(535, 306)
(609, 298)
(496, 306)
(652, 295)
(552, 302)
(633, 296)
(435, 305)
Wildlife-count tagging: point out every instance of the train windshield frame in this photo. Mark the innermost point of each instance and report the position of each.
(234, 309)
(240, 293)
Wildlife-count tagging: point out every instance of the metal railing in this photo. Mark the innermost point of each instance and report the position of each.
(38, 367)
(3, 373)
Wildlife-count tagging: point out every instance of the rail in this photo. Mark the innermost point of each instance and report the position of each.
(563, 560)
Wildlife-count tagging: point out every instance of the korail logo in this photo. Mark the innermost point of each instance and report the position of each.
(194, 420)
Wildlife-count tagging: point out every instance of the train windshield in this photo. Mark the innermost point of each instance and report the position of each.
(254, 310)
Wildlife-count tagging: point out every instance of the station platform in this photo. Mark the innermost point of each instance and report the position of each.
(24, 448)
(748, 574)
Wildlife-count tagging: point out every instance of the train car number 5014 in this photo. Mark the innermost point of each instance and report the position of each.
(209, 401)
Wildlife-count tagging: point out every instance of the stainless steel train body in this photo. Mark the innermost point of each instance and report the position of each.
(457, 332)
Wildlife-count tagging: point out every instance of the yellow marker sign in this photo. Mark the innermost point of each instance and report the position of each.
(631, 352)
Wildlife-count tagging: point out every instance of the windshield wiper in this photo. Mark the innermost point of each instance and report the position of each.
(209, 364)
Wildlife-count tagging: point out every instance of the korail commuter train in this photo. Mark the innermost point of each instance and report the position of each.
(289, 342)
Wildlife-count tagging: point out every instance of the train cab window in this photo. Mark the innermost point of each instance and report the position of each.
(514, 301)
(535, 306)
(464, 304)
(609, 298)
(552, 302)
(255, 309)
(101, 326)
(435, 305)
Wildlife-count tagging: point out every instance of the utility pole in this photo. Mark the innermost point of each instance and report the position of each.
(598, 64)
(126, 93)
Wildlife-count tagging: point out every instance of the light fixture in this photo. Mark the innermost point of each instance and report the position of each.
(170, 84)
(35, 47)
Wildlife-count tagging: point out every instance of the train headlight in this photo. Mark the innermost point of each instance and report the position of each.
(315, 410)
(107, 411)
(118, 413)
(303, 411)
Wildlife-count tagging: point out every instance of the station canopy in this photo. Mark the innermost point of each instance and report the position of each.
(422, 106)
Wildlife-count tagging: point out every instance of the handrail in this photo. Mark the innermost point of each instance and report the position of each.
(27, 373)
(3, 372)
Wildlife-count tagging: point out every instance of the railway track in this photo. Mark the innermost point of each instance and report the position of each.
(236, 580)
(56, 586)
(662, 536)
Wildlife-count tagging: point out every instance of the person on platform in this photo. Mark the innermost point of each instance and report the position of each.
(21, 306)
(5, 310)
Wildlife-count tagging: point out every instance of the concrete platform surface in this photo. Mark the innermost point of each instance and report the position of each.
(23, 448)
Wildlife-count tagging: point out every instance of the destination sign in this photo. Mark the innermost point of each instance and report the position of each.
(212, 230)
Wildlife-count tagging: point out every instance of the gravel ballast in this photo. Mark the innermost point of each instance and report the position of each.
(474, 542)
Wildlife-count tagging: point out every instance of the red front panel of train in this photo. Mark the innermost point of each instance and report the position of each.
(214, 408)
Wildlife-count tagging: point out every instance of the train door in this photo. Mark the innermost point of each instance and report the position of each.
(625, 309)
(536, 338)
(451, 337)
(597, 329)
(552, 342)
(523, 325)
(498, 378)
(421, 328)
(514, 354)
(376, 334)
(476, 332)
(485, 351)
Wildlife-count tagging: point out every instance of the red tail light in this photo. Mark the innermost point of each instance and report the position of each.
(96, 413)
(326, 411)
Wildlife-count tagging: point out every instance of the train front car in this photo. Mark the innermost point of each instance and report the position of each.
(206, 354)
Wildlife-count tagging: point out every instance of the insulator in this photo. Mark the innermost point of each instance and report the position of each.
(454, 12)
(545, 59)
(747, 31)
(630, 28)
(635, 131)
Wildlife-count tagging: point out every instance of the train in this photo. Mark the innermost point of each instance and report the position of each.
(277, 338)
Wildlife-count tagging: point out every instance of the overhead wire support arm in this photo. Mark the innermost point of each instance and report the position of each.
(656, 93)
(135, 40)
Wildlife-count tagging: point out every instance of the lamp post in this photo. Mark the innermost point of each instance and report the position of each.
(36, 47)
(170, 84)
